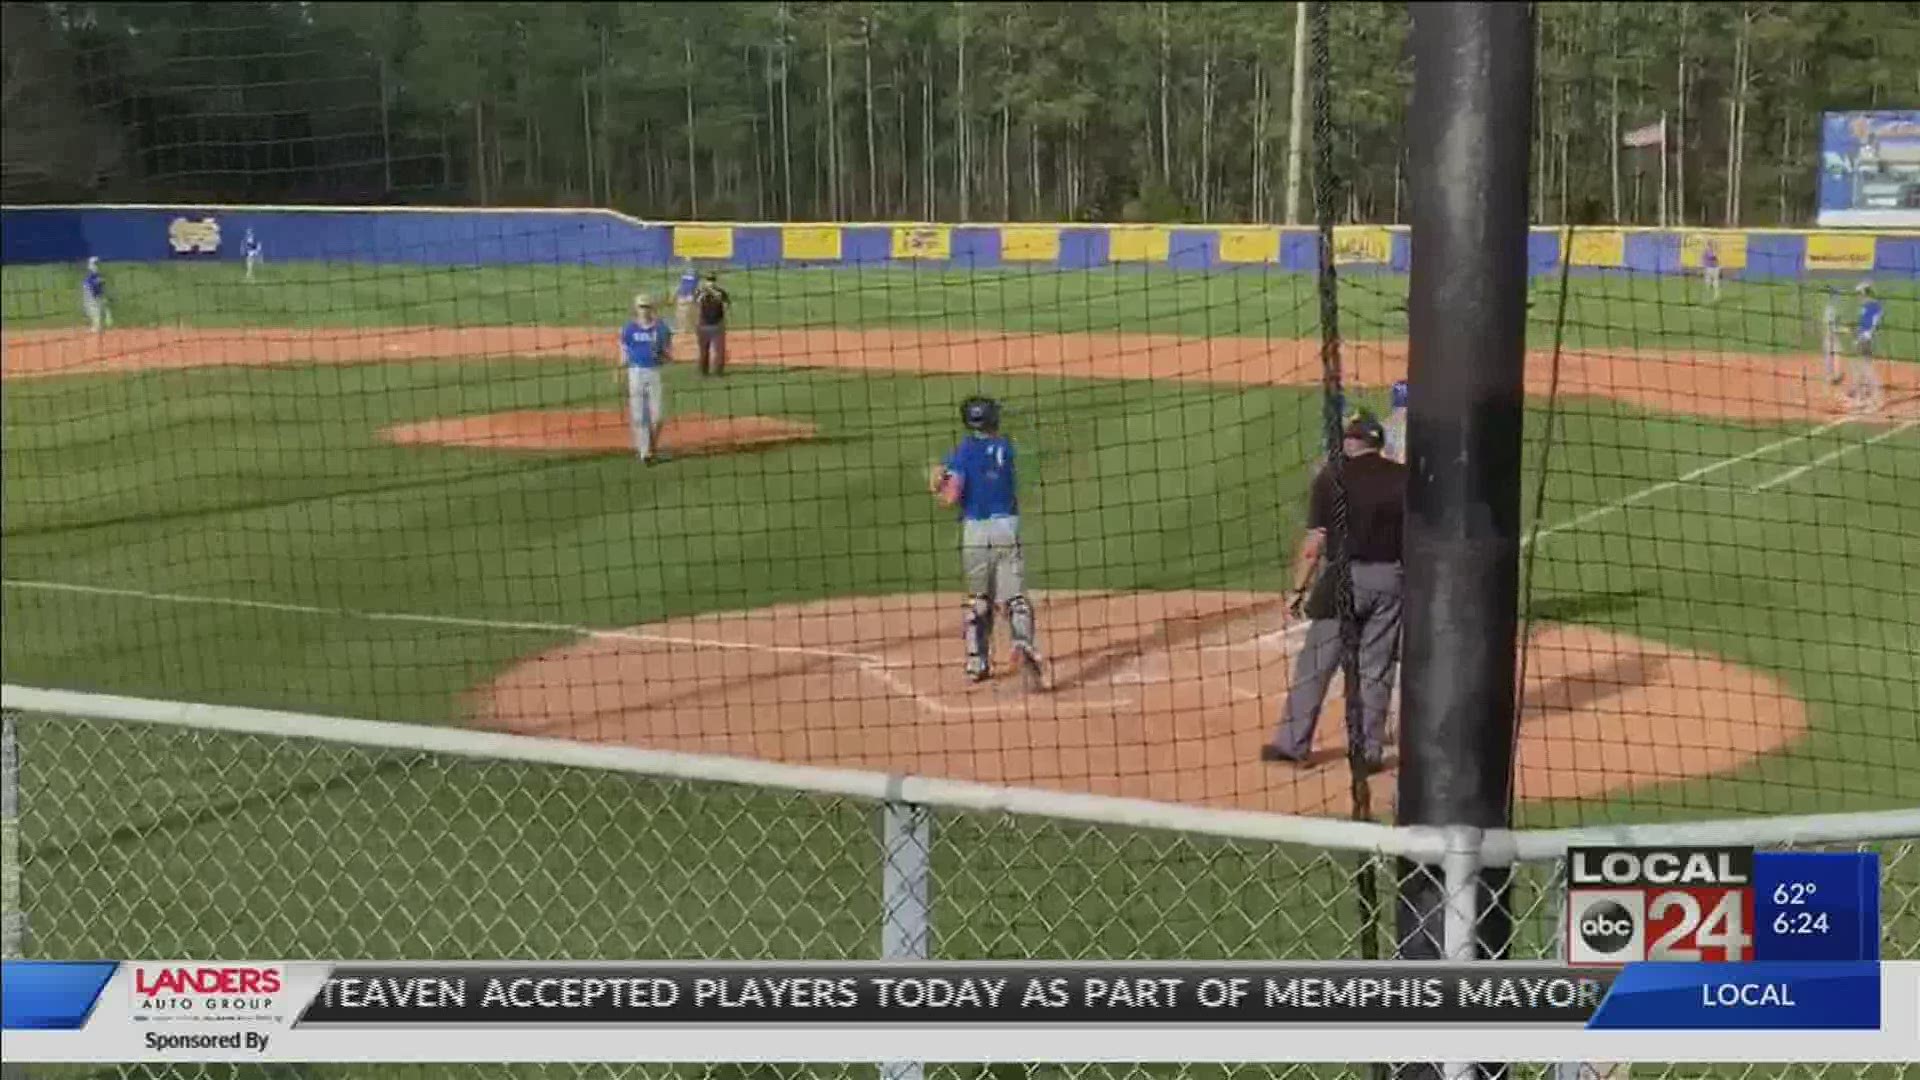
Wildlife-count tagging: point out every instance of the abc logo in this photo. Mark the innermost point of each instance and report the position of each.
(1606, 927)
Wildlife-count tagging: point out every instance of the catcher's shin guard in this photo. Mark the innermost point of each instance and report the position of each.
(1020, 622)
(1026, 650)
(979, 633)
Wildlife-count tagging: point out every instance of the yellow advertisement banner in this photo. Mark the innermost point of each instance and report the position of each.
(1139, 243)
(1258, 244)
(922, 242)
(703, 241)
(1607, 247)
(1839, 251)
(810, 243)
(1029, 243)
(1356, 245)
(1731, 247)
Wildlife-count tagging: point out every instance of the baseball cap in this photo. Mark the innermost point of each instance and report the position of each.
(1367, 430)
(641, 300)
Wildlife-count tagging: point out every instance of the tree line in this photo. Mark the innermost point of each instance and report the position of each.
(951, 111)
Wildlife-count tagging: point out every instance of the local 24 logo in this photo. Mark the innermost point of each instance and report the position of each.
(1675, 904)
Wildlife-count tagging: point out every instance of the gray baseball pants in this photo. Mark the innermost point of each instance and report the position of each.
(996, 574)
(646, 408)
(1376, 607)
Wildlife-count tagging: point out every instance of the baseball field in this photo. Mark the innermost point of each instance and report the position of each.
(402, 494)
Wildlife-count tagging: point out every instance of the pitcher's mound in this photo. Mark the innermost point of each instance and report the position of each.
(597, 431)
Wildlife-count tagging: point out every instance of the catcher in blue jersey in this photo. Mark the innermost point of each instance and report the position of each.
(977, 478)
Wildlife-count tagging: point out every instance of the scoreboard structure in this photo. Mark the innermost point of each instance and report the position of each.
(1694, 955)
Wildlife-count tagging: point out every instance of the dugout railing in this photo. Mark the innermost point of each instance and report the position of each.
(293, 836)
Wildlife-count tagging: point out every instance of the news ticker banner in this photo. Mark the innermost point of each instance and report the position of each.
(130, 1012)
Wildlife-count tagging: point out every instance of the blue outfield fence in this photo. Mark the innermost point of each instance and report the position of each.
(468, 237)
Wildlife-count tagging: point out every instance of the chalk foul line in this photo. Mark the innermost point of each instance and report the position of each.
(877, 667)
(1834, 455)
(866, 664)
(1683, 479)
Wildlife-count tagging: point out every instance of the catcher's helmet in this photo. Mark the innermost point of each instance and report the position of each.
(980, 414)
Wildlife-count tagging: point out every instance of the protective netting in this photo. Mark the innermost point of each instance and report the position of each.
(1723, 461)
(385, 467)
(146, 841)
(381, 464)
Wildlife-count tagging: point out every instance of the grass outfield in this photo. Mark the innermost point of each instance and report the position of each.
(270, 486)
(1636, 311)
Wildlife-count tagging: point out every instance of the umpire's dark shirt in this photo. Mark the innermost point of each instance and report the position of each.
(1376, 506)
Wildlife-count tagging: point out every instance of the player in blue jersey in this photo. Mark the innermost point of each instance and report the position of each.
(1864, 392)
(645, 344)
(250, 248)
(978, 479)
(683, 300)
(1396, 425)
(93, 297)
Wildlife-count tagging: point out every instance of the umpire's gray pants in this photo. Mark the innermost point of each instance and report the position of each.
(1376, 607)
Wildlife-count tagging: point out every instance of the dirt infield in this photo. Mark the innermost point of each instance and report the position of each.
(1712, 384)
(598, 431)
(1156, 695)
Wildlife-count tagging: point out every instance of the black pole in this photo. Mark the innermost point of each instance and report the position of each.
(1470, 116)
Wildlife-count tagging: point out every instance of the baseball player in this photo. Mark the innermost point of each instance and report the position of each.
(1396, 425)
(1710, 269)
(645, 344)
(251, 249)
(978, 479)
(1830, 337)
(1864, 392)
(712, 303)
(93, 296)
(683, 305)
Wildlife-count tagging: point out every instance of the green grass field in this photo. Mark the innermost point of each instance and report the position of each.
(270, 487)
(1639, 311)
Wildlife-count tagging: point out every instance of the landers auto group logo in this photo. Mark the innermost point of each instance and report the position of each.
(209, 992)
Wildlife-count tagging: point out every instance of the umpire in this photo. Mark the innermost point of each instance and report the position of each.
(712, 303)
(1376, 490)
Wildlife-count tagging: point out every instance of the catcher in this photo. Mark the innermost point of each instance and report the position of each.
(978, 479)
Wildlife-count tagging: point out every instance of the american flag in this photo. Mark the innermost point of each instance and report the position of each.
(1654, 134)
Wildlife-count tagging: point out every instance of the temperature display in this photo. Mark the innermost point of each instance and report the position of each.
(1817, 906)
(1795, 893)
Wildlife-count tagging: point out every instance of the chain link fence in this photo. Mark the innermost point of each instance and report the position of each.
(162, 841)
